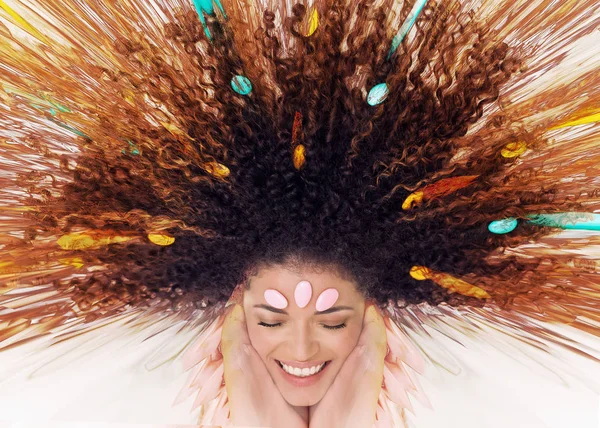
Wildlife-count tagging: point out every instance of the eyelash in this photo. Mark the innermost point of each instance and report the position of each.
(335, 327)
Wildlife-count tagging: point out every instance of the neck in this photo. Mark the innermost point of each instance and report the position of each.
(303, 412)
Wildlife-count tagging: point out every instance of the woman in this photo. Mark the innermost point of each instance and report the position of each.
(343, 386)
(364, 376)
(413, 156)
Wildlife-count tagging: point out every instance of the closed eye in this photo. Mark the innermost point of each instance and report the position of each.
(329, 327)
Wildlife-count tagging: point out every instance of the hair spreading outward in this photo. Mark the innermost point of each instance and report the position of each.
(155, 154)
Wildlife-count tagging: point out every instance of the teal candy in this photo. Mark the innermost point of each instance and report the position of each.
(132, 149)
(241, 85)
(377, 94)
(574, 220)
(500, 227)
(406, 26)
(207, 6)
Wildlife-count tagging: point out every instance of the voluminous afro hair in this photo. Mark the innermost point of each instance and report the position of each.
(177, 187)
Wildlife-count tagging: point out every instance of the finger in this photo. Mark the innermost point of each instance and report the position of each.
(370, 376)
(373, 335)
(235, 331)
(347, 377)
(249, 387)
(231, 348)
(253, 365)
(353, 369)
(240, 359)
(361, 380)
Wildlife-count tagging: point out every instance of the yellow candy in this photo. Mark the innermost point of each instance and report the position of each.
(512, 150)
(454, 285)
(72, 261)
(217, 170)
(159, 239)
(21, 23)
(313, 23)
(76, 241)
(420, 273)
(459, 286)
(172, 128)
(594, 117)
(129, 96)
(413, 198)
(299, 156)
(82, 241)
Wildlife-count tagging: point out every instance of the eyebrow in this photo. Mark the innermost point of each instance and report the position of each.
(326, 311)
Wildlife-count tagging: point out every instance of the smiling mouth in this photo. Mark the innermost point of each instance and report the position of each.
(303, 375)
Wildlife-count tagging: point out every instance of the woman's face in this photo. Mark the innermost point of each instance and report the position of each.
(300, 336)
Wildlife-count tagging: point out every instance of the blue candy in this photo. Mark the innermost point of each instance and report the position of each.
(241, 85)
(207, 6)
(406, 25)
(503, 226)
(377, 94)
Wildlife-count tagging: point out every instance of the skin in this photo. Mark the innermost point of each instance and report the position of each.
(348, 392)
(301, 335)
(254, 400)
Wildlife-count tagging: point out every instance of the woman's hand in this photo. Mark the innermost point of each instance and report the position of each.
(254, 399)
(351, 400)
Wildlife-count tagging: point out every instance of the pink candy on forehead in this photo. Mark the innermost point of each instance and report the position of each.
(303, 293)
(327, 299)
(275, 299)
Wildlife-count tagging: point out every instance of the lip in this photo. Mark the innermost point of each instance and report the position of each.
(302, 365)
(302, 381)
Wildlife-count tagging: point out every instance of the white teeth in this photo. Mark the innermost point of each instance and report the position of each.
(302, 372)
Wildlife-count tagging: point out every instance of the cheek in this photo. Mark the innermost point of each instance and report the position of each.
(263, 341)
(344, 343)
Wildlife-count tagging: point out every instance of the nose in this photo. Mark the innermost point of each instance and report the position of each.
(304, 345)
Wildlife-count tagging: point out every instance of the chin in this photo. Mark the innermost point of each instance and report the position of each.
(297, 400)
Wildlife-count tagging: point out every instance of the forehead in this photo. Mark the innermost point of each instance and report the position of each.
(284, 280)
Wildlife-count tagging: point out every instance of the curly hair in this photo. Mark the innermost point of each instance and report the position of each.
(217, 171)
